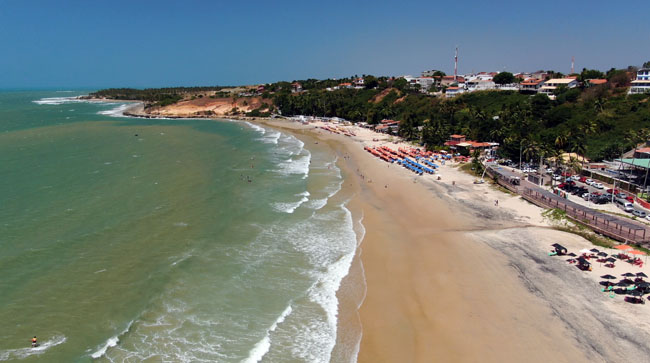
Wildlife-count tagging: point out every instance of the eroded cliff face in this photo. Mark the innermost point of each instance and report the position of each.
(207, 106)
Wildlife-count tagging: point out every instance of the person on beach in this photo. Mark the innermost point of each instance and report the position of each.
(496, 202)
(34, 342)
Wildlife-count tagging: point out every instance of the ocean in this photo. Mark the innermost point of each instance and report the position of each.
(129, 240)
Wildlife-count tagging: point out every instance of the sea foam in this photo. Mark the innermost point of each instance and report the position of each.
(116, 111)
(111, 342)
(291, 207)
(22, 353)
(262, 347)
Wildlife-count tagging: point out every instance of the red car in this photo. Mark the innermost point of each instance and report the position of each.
(583, 179)
(566, 174)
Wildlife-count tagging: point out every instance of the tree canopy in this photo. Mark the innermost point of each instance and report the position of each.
(504, 78)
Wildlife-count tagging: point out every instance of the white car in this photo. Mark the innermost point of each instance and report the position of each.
(647, 217)
(598, 185)
(557, 177)
(589, 181)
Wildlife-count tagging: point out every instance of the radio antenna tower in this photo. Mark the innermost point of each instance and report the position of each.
(456, 65)
(573, 60)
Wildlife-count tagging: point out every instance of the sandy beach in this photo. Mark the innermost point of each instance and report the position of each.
(453, 277)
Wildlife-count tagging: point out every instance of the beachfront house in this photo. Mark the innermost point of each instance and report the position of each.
(453, 91)
(449, 80)
(551, 85)
(359, 83)
(530, 85)
(296, 87)
(460, 144)
(479, 84)
(642, 82)
(596, 82)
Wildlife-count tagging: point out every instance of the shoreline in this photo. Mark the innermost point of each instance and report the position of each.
(470, 283)
(494, 284)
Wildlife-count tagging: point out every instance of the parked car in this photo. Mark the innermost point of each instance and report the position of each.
(601, 199)
(579, 191)
(624, 204)
(598, 185)
(586, 196)
(582, 179)
(647, 217)
(589, 181)
(639, 213)
(557, 177)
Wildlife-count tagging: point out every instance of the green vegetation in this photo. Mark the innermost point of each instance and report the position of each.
(504, 78)
(593, 121)
(597, 121)
(153, 96)
(564, 224)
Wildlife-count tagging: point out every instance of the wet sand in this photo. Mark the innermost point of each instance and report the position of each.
(451, 277)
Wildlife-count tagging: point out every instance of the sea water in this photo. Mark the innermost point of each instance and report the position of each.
(127, 239)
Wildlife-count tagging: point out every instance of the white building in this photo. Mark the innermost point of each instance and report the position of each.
(453, 91)
(530, 85)
(479, 84)
(552, 84)
(642, 82)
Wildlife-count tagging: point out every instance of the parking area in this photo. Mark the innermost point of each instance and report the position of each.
(583, 191)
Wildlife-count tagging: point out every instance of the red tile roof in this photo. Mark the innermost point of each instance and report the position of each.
(597, 81)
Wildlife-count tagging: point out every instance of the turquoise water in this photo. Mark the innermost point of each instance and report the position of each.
(164, 240)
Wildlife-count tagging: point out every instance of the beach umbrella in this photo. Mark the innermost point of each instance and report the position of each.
(584, 250)
(602, 254)
(641, 274)
(611, 259)
(608, 277)
(623, 283)
(572, 254)
(628, 274)
(594, 250)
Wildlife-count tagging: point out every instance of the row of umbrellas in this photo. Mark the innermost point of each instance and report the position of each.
(627, 274)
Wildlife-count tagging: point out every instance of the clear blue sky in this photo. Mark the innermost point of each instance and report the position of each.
(168, 43)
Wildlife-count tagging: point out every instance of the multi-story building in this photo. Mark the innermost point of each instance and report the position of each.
(552, 84)
(642, 82)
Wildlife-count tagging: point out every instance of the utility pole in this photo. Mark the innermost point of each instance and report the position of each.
(541, 173)
(456, 65)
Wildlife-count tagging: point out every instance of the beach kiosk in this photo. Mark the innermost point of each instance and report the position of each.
(558, 250)
(583, 264)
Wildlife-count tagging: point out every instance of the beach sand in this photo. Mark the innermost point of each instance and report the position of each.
(452, 277)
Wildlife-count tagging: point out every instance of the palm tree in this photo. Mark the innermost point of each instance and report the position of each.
(532, 149)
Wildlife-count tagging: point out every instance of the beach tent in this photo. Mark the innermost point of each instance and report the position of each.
(559, 249)
(583, 264)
